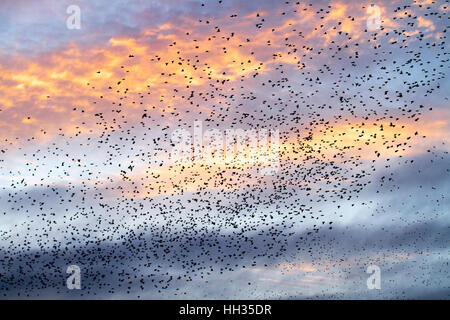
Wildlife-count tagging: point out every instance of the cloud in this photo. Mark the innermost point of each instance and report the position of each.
(78, 109)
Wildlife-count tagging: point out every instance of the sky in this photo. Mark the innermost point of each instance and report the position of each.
(355, 109)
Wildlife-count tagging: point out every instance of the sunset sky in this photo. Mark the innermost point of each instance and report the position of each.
(88, 177)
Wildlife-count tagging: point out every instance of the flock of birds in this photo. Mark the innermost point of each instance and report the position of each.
(108, 200)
